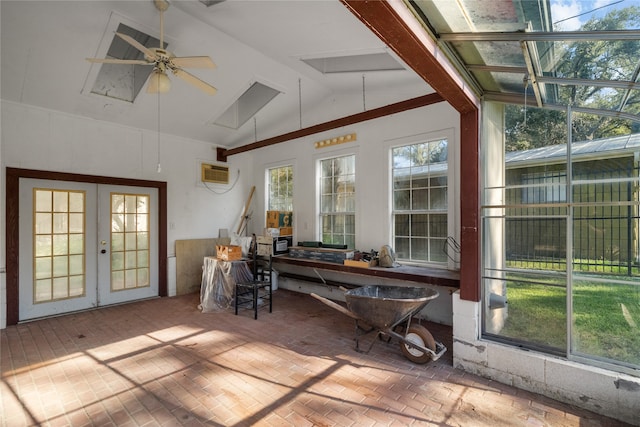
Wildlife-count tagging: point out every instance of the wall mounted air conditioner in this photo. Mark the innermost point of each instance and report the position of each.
(215, 174)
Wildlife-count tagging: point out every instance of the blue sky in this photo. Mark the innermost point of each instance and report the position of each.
(579, 11)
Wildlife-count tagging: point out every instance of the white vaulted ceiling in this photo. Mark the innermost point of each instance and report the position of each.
(45, 43)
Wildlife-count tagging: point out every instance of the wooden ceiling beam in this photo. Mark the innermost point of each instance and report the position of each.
(375, 113)
(415, 48)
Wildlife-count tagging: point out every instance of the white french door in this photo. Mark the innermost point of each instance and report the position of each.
(127, 243)
(85, 245)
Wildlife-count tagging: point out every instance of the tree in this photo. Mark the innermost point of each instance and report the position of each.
(590, 59)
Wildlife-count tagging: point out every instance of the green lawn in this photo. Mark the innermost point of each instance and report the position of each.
(606, 319)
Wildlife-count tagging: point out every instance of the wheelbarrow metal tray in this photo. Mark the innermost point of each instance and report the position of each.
(385, 306)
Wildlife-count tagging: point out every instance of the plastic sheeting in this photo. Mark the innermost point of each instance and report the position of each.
(219, 279)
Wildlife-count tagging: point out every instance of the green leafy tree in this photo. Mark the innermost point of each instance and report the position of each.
(591, 59)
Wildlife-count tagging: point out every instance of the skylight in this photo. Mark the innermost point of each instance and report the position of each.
(355, 63)
(210, 3)
(248, 104)
(548, 53)
(119, 81)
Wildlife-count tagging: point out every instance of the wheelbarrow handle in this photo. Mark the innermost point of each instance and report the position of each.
(332, 304)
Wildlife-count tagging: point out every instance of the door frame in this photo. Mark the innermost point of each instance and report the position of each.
(12, 234)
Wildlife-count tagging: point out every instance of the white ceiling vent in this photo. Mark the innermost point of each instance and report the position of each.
(214, 173)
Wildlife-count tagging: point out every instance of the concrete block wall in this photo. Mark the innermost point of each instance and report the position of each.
(599, 390)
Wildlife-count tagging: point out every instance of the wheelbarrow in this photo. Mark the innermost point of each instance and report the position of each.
(385, 309)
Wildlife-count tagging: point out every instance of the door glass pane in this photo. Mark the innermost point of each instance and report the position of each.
(60, 222)
(58, 276)
(76, 243)
(76, 286)
(117, 241)
(60, 201)
(60, 244)
(42, 290)
(75, 265)
(76, 222)
(42, 268)
(129, 241)
(60, 266)
(43, 223)
(143, 240)
(60, 288)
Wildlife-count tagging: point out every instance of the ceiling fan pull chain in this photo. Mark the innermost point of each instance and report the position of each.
(158, 167)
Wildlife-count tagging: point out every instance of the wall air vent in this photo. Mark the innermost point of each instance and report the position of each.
(214, 173)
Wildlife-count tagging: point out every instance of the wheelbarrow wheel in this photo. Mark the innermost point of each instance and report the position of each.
(418, 335)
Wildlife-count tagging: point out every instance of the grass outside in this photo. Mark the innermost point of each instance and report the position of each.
(606, 317)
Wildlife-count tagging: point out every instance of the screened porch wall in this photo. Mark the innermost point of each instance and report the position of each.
(605, 234)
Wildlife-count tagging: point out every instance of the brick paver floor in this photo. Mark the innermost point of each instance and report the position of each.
(163, 362)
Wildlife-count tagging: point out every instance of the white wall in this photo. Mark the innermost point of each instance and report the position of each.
(34, 138)
(374, 137)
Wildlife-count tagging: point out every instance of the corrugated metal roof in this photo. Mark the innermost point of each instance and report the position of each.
(606, 147)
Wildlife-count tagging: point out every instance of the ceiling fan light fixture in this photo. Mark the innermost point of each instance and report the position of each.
(158, 82)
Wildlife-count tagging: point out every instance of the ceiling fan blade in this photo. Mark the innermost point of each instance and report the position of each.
(119, 61)
(193, 62)
(148, 53)
(191, 79)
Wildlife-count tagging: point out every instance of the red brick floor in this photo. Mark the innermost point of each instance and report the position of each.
(162, 362)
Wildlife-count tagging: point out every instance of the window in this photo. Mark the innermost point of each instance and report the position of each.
(568, 260)
(337, 200)
(420, 201)
(280, 191)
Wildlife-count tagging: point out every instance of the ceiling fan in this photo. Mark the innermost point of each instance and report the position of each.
(163, 61)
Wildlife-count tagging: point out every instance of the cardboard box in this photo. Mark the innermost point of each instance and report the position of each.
(228, 252)
(361, 263)
(286, 231)
(272, 219)
(279, 219)
(285, 219)
(265, 245)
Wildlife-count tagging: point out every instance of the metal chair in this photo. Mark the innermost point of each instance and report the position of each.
(258, 292)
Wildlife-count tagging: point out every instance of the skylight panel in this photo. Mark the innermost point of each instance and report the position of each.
(355, 63)
(248, 104)
(124, 81)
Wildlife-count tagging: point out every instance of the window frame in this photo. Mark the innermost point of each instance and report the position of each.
(576, 271)
(451, 243)
(319, 230)
(268, 170)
